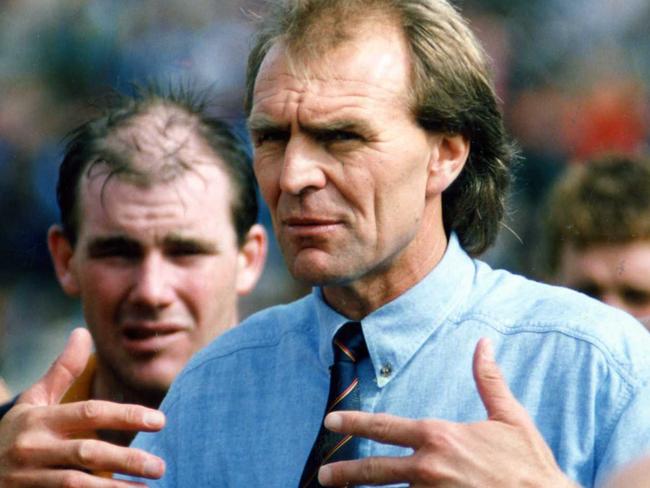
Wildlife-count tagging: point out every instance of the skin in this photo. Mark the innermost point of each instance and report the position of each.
(5, 394)
(158, 270)
(617, 274)
(633, 475)
(343, 166)
(322, 138)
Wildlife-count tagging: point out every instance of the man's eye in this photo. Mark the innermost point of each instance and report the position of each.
(340, 136)
(119, 253)
(185, 251)
(634, 296)
(266, 136)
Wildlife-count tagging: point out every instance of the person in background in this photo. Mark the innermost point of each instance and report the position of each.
(597, 231)
(381, 154)
(158, 238)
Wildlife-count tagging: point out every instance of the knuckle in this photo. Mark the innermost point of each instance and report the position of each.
(91, 409)
(368, 469)
(132, 415)
(437, 437)
(21, 450)
(134, 462)
(86, 452)
(382, 426)
(425, 470)
(71, 479)
(30, 419)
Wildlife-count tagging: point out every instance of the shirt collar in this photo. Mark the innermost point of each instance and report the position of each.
(397, 330)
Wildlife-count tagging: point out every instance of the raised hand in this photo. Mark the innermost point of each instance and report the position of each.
(39, 444)
(506, 450)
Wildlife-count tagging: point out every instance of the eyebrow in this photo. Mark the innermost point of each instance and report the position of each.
(101, 245)
(262, 123)
(190, 243)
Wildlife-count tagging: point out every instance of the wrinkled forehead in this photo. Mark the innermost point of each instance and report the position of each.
(374, 62)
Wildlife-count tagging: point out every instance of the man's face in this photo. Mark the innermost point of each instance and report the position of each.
(157, 267)
(617, 274)
(342, 163)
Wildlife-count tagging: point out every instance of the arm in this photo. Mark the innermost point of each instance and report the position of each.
(506, 450)
(38, 436)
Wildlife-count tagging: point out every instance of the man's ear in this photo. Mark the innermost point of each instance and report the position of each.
(251, 259)
(61, 252)
(449, 152)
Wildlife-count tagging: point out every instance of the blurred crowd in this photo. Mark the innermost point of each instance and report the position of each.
(574, 79)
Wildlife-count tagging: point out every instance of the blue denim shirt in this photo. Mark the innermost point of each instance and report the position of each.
(245, 411)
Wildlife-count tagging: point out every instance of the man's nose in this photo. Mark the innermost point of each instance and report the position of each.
(302, 167)
(152, 282)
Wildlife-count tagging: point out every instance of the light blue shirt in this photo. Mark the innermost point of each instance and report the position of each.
(246, 410)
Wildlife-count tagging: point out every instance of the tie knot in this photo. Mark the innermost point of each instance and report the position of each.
(349, 344)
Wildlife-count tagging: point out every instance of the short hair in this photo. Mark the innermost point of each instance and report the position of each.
(452, 91)
(87, 145)
(602, 201)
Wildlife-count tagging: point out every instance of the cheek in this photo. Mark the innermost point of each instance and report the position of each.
(209, 289)
(101, 290)
(267, 173)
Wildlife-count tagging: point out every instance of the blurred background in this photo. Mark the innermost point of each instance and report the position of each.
(574, 78)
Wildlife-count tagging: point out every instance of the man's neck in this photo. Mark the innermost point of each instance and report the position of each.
(361, 297)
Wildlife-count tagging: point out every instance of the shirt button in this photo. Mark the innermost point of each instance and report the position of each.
(386, 370)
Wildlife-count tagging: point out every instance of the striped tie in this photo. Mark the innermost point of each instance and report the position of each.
(349, 349)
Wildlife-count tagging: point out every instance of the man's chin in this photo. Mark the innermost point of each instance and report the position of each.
(150, 377)
(314, 268)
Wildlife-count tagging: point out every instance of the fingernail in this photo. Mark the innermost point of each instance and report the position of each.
(325, 475)
(154, 419)
(333, 421)
(154, 468)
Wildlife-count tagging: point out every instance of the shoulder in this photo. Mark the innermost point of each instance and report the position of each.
(513, 304)
(259, 334)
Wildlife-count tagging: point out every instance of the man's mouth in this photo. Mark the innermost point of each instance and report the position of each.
(146, 338)
(309, 226)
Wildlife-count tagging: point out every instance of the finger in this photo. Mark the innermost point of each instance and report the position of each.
(367, 471)
(96, 455)
(102, 415)
(57, 478)
(381, 427)
(500, 403)
(62, 374)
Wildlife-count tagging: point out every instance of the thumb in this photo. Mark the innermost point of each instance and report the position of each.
(500, 403)
(62, 374)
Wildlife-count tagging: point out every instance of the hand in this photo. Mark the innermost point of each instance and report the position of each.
(506, 450)
(37, 436)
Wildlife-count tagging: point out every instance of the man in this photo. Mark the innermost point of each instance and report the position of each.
(158, 238)
(598, 231)
(380, 152)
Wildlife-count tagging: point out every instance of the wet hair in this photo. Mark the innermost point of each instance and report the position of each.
(452, 90)
(602, 201)
(94, 143)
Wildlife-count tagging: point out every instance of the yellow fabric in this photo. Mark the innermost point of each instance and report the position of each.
(80, 391)
(82, 388)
